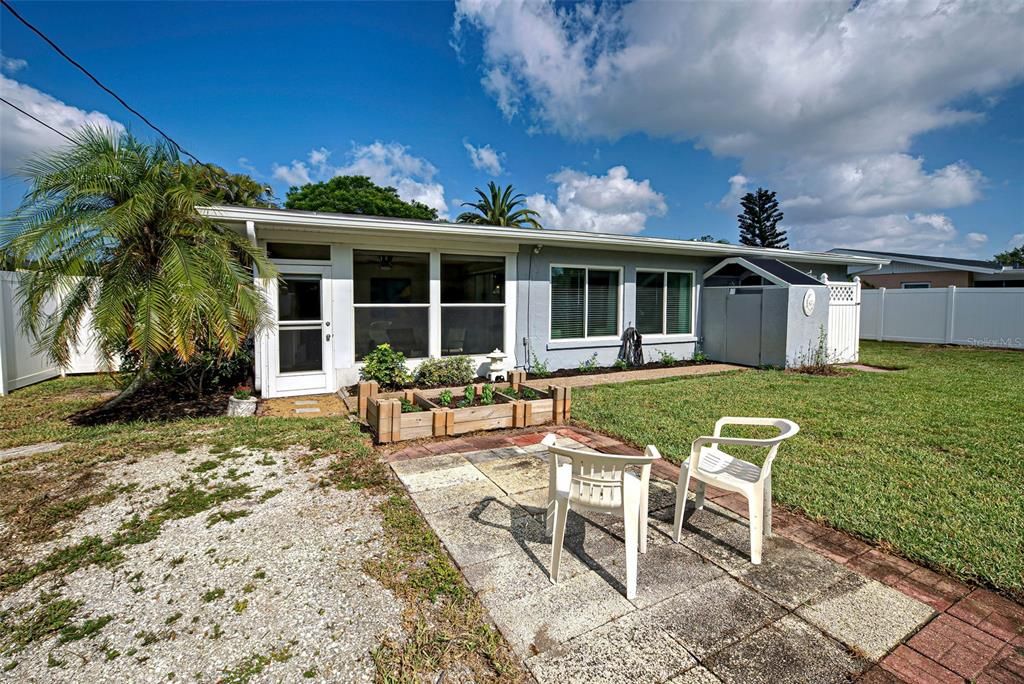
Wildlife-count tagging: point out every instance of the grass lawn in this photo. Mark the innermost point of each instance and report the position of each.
(44, 494)
(928, 461)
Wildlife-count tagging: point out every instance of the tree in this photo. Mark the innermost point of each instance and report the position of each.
(110, 226)
(759, 222)
(236, 189)
(500, 209)
(356, 195)
(1014, 258)
(710, 238)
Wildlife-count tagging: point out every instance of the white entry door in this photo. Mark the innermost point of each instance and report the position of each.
(302, 358)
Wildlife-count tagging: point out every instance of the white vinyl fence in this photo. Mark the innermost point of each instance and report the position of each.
(843, 320)
(977, 316)
(19, 364)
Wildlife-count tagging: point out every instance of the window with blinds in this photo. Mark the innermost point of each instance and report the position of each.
(664, 302)
(584, 302)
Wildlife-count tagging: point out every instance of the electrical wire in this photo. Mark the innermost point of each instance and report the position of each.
(95, 80)
(37, 120)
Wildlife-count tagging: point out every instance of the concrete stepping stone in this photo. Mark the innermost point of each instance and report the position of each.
(307, 410)
(28, 450)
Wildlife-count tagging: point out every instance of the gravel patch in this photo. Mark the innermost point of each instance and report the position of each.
(268, 587)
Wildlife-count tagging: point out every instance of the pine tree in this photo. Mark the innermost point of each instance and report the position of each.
(759, 222)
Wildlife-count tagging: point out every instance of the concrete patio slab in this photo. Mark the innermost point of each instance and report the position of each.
(515, 475)
(711, 616)
(456, 496)
(451, 469)
(515, 575)
(539, 622)
(492, 528)
(696, 675)
(866, 615)
(791, 574)
(485, 455)
(789, 650)
(625, 650)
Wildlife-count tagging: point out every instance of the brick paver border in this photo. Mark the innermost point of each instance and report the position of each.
(977, 635)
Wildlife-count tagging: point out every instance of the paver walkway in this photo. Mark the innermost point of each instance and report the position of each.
(633, 375)
(822, 606)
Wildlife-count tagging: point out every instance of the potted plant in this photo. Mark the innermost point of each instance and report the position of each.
(242, 403)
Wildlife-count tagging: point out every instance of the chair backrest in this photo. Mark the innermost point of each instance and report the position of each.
(787, 429)
(598, 479)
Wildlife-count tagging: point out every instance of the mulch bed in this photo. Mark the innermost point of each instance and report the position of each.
(604, 370)
(156, 404)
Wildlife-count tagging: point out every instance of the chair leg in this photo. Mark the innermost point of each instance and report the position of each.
(698, 502)
(642, 521)
(681, 487)
(768, 506)
(561, 513)
(549, 516)
(755, 507)
(630, 516)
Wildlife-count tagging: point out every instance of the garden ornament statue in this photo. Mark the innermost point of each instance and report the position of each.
(632, 349)
(496, 368)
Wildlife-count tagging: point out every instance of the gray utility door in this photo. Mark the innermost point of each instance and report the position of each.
(732, 324)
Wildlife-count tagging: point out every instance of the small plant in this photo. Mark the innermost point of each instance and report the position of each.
(816, 361)
(487, 395)
(445, 398)
(448, 370)
(386, 366)
(242, 394)
(468, 395)
(524, 392)
(699, 356)
(620, 364)
(667, 357)
(538, 367)
(410, 406)
(588, 365)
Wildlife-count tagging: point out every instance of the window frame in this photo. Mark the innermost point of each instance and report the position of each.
(428, 305)
(916, 285)
(442, 305)
(664, 302)
(620, 290)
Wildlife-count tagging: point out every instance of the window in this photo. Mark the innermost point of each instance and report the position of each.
(915, 286)
(392, 300)
(584, 302)
(290, 250)
(300, 344)
(472, 304)
(664, 302)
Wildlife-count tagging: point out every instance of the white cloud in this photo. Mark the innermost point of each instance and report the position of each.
(925, 233)
(738, 187)
(387, 164)
(485, 158)
(818, 100)
(613, 203)
(24, 138)
(976, 239)
(11, 65)
(1016, 240)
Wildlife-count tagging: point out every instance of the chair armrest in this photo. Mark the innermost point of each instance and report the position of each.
(786, 428)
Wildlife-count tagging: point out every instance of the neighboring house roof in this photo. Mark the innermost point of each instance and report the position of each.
(947, 263)
(288, 219)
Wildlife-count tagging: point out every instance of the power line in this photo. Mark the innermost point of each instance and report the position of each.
(95, 80)
(37, 120)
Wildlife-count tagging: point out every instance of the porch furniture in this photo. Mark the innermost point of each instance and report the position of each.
(599, 482)
(708, 464)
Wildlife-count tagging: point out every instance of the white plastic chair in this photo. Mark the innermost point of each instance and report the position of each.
(599, 482)
(708, 464)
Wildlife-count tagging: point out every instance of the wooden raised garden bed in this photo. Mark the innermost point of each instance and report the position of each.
(425, 416)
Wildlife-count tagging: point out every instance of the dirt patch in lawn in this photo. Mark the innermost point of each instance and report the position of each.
(155, 404)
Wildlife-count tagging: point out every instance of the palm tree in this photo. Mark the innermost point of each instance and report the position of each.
(499, 209)
(109, 225)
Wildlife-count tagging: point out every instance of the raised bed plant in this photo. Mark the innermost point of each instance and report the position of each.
(415, 414)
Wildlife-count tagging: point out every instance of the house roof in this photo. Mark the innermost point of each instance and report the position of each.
(311, 221)
(973, 265)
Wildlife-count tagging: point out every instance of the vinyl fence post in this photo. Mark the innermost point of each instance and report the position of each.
(950, 312)
(881, 314)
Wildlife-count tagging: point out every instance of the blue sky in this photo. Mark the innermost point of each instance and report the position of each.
(871, 138)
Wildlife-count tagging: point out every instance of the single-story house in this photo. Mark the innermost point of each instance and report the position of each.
(431, 289)
(920, 271)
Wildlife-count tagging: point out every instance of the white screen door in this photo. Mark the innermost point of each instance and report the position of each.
(303, 358)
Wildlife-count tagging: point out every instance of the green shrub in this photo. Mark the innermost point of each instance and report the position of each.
(588, 365)
(447, 370)
(487, 395)
(410, 406)
(468, 395)
(538, 367)
(445, 398)
(386, 366)
(666, 358)
(242, 394)
(209, 370)
(620, 364)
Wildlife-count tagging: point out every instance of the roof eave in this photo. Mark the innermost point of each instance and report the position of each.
(333, 222)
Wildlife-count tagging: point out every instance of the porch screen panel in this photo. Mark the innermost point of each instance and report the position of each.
(567, 302)
(602, 303)
(650, 302)
(679, 304)
(472, 304)
(392, 301)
